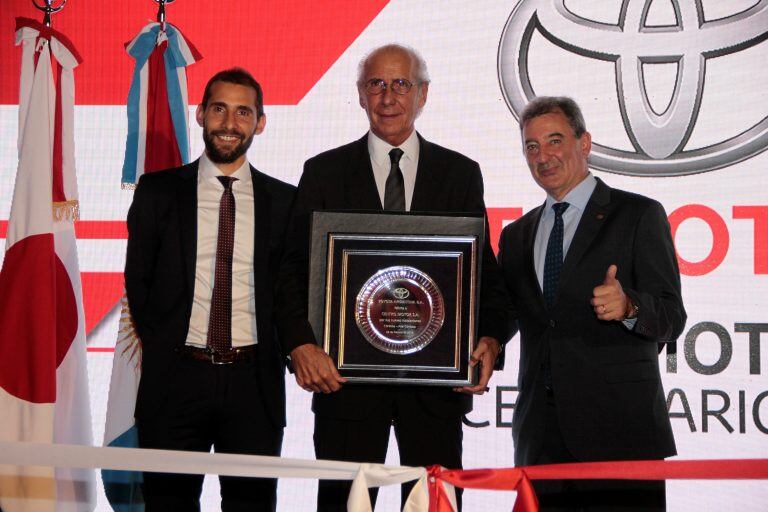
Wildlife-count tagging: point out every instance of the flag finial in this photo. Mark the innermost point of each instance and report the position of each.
(49, 7)
(161, 10)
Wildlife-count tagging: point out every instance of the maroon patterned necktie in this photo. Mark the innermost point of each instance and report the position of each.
(220, 320)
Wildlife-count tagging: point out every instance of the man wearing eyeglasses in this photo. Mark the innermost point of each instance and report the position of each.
(391, 168)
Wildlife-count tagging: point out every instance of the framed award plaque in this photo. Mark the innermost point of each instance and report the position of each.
(393, 297)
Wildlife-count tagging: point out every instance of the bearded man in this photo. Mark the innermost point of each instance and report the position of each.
(204, 244)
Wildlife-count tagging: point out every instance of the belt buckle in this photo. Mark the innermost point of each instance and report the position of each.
(214, 361)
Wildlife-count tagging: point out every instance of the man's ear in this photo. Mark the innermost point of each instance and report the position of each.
(200, 115)
(361, 98)
(423, 89)
(586, 144)
(260, 124)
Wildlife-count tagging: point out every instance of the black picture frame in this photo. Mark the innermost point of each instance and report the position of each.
(435, 257)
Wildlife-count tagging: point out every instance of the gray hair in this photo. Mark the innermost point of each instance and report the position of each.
(549, 104)
(419, 69)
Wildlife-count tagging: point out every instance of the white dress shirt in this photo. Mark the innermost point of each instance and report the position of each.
(209, 191)
(381, 164)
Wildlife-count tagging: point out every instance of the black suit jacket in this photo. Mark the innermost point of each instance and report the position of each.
(160, 276)
(342, 179)
(607, 387)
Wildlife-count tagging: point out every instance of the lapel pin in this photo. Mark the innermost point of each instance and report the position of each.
(600, 216)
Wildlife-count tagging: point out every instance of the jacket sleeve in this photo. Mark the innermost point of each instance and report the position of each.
(291, 308)
(494, 319)
(505, 245)
(655, 286)
(143, 243)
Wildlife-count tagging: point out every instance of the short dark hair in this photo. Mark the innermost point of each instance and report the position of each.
(237, 76)
(549, 104)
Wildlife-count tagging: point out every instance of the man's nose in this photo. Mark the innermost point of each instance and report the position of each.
(388, 96)
(542, 155)
(229, 120)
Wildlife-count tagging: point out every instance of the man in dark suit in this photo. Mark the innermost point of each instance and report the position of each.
(391, 168)
(204, 244)
(594, 282)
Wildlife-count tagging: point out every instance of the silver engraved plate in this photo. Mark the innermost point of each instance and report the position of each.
(399, 310)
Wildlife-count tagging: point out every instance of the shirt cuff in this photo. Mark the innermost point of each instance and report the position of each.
(629, 323)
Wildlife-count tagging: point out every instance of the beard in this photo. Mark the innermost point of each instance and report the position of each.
(219, 155)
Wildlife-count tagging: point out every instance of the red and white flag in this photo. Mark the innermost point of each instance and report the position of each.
(43, 373)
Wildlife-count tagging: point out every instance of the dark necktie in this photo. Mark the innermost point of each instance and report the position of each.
(553, 262)
(394, 190)
(220, 320)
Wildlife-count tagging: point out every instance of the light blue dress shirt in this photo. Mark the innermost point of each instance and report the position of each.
(577, 199)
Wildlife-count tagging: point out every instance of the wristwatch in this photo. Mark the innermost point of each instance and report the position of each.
(632, 309)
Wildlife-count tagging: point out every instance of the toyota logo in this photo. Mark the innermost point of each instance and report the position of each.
(659, 139)
(401, 293)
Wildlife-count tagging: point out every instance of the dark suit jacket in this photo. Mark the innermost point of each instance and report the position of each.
(160, 276)
(609, 398)
(342, 179)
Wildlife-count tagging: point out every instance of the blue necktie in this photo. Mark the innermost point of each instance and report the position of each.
(553, 263)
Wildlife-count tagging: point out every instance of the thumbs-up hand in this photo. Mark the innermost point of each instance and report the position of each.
(608, 299)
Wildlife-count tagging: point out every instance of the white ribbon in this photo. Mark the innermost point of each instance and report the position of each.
(170, 461)
(377, 475)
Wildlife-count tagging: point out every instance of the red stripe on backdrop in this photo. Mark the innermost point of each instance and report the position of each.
(101, 292)
(90, 229)
(117, 230)
(287, 44)
(497, 219)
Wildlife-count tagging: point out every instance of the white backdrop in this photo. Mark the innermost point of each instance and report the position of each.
(717, 389)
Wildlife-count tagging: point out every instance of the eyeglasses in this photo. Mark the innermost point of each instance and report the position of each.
(378, 86)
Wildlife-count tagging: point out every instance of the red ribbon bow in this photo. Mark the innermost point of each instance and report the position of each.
(519, 479)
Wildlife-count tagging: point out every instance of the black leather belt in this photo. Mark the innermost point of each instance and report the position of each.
(238, 354)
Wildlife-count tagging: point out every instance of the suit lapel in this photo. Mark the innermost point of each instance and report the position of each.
(529, 265)
(362, 193)
(592, 220)
(187, 211)
(262, 206)
(427, 178)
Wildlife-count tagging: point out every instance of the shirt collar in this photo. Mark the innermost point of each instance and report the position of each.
(379, 149)
(208, 170)
(578, 197)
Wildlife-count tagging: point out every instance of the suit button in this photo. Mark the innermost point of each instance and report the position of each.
(552, 322)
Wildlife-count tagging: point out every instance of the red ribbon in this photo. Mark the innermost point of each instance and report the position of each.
(519, 479)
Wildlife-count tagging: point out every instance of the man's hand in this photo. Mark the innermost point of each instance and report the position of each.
(485, 354)
(315, 370)
(609, 300)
